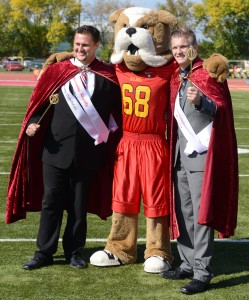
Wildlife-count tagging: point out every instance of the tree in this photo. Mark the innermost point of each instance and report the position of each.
(226, 24)
(97, 13)
(4, 33)
(181, 9)
(34, 28)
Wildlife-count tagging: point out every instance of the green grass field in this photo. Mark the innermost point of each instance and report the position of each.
(60, 281)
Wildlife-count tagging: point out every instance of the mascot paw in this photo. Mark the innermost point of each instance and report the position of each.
(57, 57)
(156, 264)
(105, 259)
(217, 67)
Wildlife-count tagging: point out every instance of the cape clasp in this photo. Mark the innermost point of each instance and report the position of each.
(85, 69)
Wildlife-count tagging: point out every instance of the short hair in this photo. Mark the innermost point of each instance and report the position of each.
(185, 32)
(88, 29)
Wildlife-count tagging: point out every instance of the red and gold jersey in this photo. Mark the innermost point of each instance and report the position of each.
(145, 97)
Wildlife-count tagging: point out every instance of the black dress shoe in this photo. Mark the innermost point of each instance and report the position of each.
(36, 263)
(195, 286)
(177, 274)
(77, 261)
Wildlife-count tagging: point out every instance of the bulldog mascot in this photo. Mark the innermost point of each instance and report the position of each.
(144, 65)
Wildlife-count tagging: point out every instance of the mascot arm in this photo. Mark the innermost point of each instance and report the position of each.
(217, 67)
(57, 57)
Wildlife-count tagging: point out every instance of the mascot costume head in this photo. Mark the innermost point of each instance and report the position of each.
(142, 37)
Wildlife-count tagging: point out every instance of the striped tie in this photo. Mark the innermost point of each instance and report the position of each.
(84, 78)
(184, 80)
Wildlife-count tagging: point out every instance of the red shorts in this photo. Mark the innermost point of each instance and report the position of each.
(142, 170)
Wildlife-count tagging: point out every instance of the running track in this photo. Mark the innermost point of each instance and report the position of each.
(29, 79)
(17, 79)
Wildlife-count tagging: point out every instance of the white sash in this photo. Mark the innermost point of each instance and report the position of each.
(196, 142)
(83, 109)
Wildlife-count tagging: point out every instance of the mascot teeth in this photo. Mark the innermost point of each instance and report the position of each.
(129, 53)
(133, 50)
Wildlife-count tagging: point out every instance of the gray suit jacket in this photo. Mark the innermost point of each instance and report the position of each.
(198, 118)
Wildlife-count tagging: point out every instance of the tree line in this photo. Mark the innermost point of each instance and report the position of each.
(36, 28)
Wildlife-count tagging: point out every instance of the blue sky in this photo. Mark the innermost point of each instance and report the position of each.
(153, 3)
(146, 3)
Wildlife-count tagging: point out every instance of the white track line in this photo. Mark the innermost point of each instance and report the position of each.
(6, 124)
(104, 240)
(8, 173)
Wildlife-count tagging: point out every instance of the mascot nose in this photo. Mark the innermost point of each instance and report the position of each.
(130, 31)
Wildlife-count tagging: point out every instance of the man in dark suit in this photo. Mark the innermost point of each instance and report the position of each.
(75, 144)
(203, 163)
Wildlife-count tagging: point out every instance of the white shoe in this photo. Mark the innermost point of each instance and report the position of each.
(105, 258)
(156, 264)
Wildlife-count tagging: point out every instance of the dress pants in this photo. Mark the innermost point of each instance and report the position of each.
(63, 188)
(196, 242)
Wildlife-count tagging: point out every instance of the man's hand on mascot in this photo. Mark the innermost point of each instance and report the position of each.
(217, 67)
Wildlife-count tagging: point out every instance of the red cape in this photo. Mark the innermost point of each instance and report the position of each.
(25, 189)
(219, 198)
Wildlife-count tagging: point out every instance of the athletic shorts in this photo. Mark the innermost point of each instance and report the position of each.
(141, 173)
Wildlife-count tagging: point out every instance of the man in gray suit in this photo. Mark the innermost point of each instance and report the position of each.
(200, 110)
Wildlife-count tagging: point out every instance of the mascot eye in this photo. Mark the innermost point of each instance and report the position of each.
(124, 25)
(145, 26)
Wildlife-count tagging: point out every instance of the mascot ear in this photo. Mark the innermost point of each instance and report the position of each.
(217, 67)
(166, 18)
(114, 16)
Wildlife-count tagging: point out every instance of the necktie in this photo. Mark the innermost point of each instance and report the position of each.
(183, 78)
(84, 79)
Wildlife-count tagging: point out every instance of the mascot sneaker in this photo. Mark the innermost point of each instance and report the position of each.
(156, 264)
(105, 258)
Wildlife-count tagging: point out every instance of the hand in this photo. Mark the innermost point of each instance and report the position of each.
(32, 129)
(217, 67)
(193, 96)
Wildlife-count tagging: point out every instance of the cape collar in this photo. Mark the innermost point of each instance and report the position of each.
(79, 64)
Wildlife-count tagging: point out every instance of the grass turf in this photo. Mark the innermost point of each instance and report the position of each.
(60, 281)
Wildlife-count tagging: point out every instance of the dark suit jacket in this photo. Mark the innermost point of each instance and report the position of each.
(67, 141)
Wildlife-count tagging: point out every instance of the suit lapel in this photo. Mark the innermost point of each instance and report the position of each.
(99, 81)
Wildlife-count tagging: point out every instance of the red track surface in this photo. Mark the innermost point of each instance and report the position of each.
(29, 79)
(17, 79)
(238, 84)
